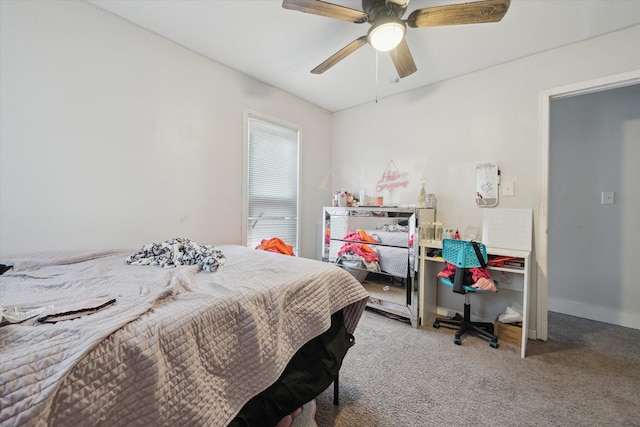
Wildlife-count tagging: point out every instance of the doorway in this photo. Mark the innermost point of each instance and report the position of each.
(546, 98)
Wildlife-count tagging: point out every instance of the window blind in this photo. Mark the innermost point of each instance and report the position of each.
(272, 186)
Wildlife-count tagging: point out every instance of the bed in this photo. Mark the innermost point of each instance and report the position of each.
(180, 346)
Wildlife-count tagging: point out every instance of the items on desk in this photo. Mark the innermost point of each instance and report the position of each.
(439, 231)
(434, 253)
(498, 261)
(508, 332)
(428, 234)
(447, 234)
(508, 325)
(506, 262)
(512, 314)
(517, 263)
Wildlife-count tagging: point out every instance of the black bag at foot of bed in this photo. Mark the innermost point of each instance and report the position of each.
(309, 372)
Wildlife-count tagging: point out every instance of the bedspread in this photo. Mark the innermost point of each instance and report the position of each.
(179, 346)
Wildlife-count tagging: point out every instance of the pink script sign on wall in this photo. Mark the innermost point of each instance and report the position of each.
(391, 178)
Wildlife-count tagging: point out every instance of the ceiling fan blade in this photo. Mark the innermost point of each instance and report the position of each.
(455, 14)
(322, 8)
(340, 55)
(402, 59)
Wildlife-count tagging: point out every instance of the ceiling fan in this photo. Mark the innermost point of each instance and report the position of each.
(388, 29)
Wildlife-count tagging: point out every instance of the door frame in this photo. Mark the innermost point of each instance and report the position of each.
(546, 96)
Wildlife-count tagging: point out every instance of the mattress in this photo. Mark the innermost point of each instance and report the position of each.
(178, 346)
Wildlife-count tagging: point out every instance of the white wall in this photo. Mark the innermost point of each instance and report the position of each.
(440, 131)
(114, 137)
(111, 136)
(595, 147)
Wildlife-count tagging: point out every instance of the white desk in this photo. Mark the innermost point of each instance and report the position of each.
(515, 282)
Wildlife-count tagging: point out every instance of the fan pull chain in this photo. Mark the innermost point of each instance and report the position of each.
(377, 56)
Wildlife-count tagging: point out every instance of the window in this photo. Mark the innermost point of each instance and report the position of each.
(271, 188)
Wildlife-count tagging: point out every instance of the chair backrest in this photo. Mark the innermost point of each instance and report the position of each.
(461, 253)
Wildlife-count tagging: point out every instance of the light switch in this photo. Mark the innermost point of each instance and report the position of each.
(607, 198)
(507, 188)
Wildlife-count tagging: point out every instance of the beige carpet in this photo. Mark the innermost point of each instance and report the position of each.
(586, 374)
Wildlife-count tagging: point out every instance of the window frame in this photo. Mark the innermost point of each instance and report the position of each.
(251, 114)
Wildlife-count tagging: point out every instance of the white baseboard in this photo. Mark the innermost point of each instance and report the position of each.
(614, 316)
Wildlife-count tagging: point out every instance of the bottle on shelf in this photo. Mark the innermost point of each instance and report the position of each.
(438, 231)
(457, 235)
(448, 233)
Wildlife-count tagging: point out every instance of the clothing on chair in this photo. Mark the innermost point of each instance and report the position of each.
(484, 284)
(473, 277)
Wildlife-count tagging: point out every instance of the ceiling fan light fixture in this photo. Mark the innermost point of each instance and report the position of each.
(386, 35)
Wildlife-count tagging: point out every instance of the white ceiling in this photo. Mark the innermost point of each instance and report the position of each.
(280, 47)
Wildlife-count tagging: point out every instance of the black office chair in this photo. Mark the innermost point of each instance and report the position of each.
(464, 255)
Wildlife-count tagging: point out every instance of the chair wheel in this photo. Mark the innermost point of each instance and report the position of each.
(494, 344)
(436, 325)
(457, 341)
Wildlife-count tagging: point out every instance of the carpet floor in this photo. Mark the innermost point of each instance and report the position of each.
(586, 374)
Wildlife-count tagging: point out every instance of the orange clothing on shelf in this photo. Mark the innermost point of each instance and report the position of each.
(360, 236)
(359, 249)
(276, 244)
(365, 237)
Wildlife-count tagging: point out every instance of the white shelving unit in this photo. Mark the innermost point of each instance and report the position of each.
(513, 286)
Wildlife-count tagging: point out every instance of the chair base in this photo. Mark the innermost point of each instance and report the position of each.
(483, 329)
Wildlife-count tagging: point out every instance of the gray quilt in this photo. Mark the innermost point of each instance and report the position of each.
(179, 347)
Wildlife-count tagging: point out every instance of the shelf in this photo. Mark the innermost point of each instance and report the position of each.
(374, 273)
(358, 210)
(386, 292)
(489, 267)
(490, 250)
(393, 308)
(508, 270)
(390, 298)
(333, 239)
(513, 285)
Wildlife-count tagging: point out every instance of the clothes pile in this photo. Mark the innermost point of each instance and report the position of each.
(177, 252)
(276, 244)
(357, 249)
